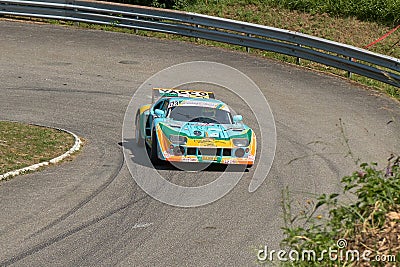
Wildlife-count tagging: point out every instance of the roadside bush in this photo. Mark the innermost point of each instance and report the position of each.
(370, 221)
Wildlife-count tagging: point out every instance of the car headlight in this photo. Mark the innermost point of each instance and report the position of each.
(178, 139)
(241, 142)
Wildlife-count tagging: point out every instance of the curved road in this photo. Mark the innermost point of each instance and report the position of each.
(89, 211)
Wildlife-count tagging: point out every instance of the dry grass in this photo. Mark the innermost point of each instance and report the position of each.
(381, 241)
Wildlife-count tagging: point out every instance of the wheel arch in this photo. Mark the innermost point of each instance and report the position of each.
(142, 112)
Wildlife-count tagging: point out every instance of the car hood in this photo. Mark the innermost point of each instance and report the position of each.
(205, 130)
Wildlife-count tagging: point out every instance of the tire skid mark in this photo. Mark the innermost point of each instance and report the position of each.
(113, 247)
(290, 133)
(86, 200)
(68, 233)
(43, 245)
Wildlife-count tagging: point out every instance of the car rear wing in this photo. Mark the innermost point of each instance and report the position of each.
(171, 92)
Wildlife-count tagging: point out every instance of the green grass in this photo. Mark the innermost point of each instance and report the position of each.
(383, 11)
(22, 145)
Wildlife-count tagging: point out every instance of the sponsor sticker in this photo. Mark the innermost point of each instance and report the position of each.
(205, 104)
(209, 158)
(189, 159)
(207, 142)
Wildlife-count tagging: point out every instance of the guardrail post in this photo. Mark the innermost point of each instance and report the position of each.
(349, 73)
(76, 23)
(298, 60)
(136, 30)
(248, 48)
(71, 12)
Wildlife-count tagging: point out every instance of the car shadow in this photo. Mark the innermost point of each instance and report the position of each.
(140, 156)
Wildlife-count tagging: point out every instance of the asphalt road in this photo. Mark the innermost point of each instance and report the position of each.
(90, 212)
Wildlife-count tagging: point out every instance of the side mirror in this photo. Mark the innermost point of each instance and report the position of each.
(159, 113)
(237, 118)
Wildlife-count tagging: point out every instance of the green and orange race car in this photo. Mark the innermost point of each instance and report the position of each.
(192, 126)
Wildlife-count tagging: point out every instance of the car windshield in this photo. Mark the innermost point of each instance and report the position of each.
(200, 114)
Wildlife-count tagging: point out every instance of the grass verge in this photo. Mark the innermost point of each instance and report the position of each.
(23, 145)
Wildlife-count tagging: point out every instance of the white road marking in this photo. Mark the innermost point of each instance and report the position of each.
(142, 225)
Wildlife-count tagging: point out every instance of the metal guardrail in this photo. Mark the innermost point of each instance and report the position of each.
(352, 59)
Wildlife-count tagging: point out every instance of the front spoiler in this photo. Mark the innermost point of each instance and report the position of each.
(208, 159)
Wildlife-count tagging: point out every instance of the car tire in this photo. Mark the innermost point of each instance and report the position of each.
(154, 150)
(138, 137)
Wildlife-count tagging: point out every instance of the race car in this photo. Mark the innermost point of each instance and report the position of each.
(193, 126)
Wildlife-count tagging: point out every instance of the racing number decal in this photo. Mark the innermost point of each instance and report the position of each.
(173, 104)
